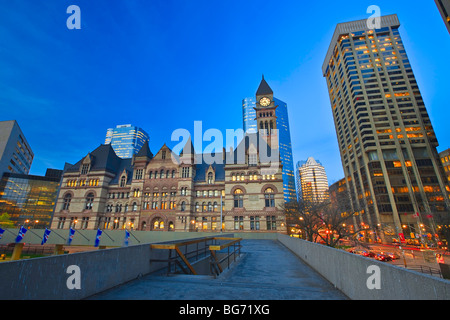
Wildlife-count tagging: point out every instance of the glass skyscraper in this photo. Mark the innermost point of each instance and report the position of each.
(126, 140)
(387, 143)
(286, 158)
(29, 200)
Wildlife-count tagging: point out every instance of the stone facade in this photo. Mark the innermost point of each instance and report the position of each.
(178, 192)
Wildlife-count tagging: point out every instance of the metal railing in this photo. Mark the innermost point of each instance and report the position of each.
(183, 255)
(426, 269)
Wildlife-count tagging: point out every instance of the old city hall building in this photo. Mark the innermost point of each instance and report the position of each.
(239, 190)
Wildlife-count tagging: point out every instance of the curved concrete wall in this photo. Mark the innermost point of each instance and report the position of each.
(351, 274)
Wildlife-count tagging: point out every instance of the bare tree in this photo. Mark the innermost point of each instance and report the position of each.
(323, 221)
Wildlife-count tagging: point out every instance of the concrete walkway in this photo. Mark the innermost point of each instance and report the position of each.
(266, 271)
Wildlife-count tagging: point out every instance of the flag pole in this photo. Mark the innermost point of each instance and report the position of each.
(108, 236)
(82, 236)
(133, 236)
(58, 235)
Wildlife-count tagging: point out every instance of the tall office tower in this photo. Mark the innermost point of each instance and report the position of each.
(445, 159)
(284, 140)
(312, 181)
(444, 9)
(386, 140)
(285, 146)
(249, 115)
(15, 153)
(126, 140)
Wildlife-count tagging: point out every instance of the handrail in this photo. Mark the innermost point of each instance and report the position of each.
(213, 248)
(425, 269)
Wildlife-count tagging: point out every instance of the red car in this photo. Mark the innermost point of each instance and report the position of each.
(368, 254)
(383, 257)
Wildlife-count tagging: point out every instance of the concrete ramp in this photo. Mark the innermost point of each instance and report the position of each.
(266, 270)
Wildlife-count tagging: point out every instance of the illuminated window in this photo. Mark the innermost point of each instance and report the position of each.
(238, 198)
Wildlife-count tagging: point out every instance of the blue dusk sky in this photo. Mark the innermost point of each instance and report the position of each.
(164, 64)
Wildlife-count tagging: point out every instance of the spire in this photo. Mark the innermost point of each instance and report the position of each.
(263, 88)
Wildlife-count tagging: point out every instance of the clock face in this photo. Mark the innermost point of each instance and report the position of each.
(264, 102)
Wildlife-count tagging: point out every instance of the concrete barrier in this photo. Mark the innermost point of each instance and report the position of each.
(54, 278)
(362, 278)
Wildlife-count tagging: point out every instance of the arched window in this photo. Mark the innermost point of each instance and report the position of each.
(123, 181)
(150, 175)
(269, 197)
(210, 208)
(197, 207)
(162, 174)
(210, 178)
(134, 206)
(67, 199)
(183, 206)
(204, 207)
(238, 198)
(173, 173)
(89, 201)
(215, 206)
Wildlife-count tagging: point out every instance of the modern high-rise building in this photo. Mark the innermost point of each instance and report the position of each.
(312, 181)
(126, 140)
(15, 152)
(444, 9)
(445, 159)
(387, 143)
(29, 200)
(284, 137)
(249, 115)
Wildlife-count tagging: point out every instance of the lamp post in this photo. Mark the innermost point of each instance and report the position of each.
(221, 213)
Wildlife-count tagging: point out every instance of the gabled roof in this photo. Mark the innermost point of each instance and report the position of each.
(259, 144)
(102, 158)
(202, 167)
(145, 151)
(264, 88)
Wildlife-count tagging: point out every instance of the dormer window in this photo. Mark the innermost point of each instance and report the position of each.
(210, 178)
(84, 168)
(123, 181)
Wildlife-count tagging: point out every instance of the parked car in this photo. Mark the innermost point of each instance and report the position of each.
(368, 254)
(383, 257)
(392, 255)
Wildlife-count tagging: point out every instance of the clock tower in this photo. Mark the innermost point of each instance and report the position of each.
(265, 114)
